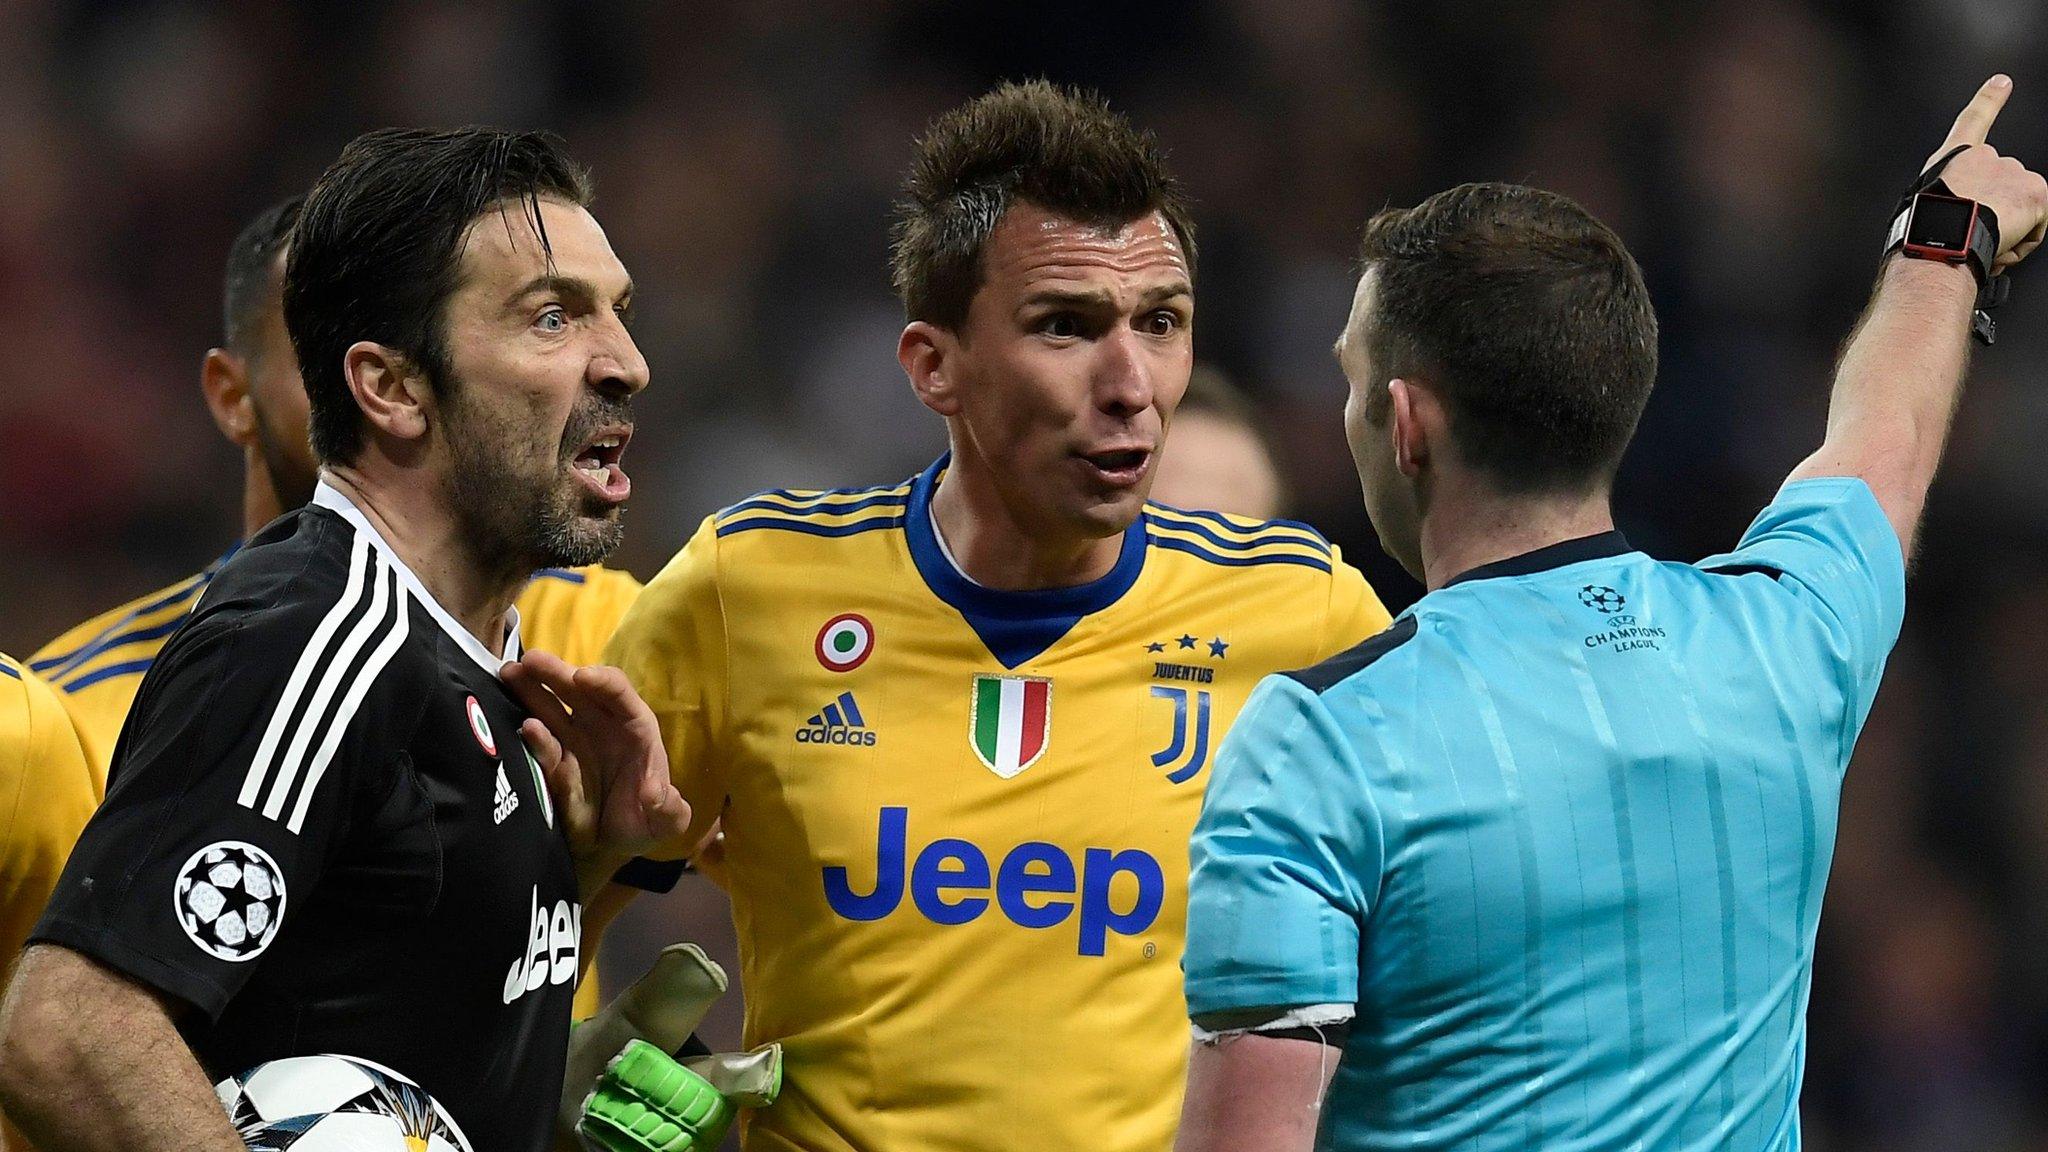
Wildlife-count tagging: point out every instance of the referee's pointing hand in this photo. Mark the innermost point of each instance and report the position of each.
(2018, 195)
(600, 749)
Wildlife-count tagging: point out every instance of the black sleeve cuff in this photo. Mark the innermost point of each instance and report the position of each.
(651, 875)
(153, 972)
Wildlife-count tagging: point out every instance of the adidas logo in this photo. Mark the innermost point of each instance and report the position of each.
(503, 800)
(837, 723)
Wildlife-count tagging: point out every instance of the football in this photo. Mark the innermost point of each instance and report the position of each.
(335, 1104)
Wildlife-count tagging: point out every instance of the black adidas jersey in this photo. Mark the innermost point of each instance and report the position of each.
(323, 831)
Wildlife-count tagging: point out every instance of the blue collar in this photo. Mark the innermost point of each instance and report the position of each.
(1015, 626)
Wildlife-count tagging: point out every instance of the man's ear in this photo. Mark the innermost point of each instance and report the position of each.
(1408, 427)
(925, 350)
(391, 391)
(224, 380)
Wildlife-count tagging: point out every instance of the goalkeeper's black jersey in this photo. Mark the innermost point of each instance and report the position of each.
(323, 832)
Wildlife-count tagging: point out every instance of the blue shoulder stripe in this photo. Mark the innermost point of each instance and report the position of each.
(562, 574)
(813, 495)
(108, 643)
(136, 667)
(1231, 545)
(808, 528)
(1315, 537)
(9, 669)
(895, 499)
(64, 661)
(1194, 548)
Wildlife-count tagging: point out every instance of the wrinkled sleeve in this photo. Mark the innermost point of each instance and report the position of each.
(1286, 860)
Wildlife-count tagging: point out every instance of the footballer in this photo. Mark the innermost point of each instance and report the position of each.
(957, 729)
(253, 391)
(332, 824)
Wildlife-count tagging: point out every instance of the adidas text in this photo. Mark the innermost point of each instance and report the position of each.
(503, 799)
(842, 735)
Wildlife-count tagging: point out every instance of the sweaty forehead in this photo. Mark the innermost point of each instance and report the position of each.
(1031, 246)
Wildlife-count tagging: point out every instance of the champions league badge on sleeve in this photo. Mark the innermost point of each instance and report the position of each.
(230, 900)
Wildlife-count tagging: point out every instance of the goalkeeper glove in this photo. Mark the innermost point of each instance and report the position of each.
(624, 1093)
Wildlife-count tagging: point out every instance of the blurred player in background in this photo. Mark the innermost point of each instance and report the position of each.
(327, 828)
(1219, 458)
(1552, 847)
(47, 790)
(958, 728)
(254, 391)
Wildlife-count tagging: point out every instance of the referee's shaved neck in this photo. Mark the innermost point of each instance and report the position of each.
(1470, 524)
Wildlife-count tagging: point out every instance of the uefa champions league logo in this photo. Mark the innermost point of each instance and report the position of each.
(230, 899)
(1602, 599)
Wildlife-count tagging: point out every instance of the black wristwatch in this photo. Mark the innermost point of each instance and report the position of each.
(1933, 223)
(1935, 226)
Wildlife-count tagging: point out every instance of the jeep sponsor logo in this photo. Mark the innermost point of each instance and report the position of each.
(1036, 885)
(553, 937)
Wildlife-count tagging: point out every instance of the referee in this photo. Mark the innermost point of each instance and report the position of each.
(1541, 865)
(324, 832)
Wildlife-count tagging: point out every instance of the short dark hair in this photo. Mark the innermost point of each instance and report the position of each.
(1058, 148)
(378, 249)
(1528, 317)
(246, 284)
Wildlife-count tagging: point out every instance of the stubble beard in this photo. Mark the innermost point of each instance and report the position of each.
(518, 521)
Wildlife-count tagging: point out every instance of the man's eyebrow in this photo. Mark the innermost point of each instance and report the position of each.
(1094, 297)
(571, 286)
(1169, 291)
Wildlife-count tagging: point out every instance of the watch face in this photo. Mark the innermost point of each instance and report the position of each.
(1940, 222)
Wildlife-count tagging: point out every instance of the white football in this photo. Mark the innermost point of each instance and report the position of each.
(336, 1104)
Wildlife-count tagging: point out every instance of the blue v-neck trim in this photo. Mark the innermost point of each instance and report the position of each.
(1015, 626)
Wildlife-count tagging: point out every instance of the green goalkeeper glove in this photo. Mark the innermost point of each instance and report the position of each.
(624, 1093)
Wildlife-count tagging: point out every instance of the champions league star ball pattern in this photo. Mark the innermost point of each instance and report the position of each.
(335, 1104)
(230, 899)
(1602, 599)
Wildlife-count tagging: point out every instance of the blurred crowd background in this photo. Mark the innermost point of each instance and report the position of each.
(1750, 152)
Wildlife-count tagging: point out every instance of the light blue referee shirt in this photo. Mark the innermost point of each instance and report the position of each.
(1556, 840)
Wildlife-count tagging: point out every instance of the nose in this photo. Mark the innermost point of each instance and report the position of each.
(1123, 373)
(618, 369)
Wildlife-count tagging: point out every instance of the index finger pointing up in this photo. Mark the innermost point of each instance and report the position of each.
(1974, 123)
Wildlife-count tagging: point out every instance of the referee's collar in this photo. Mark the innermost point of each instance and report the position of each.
(327, 496)
(1600, 546)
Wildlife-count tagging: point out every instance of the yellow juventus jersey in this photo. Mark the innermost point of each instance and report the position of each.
(956, 820)
(97, 667)
(47, 790)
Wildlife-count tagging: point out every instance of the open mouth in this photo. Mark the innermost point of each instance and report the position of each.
(1119, 466)
(597, 464)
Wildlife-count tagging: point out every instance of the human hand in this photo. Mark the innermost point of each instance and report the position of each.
(2018, 195)
(623, 1092)
(599, 748)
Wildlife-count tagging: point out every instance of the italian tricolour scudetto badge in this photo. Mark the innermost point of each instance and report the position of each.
(1010, 721)
(480, 727)
(845, 641)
